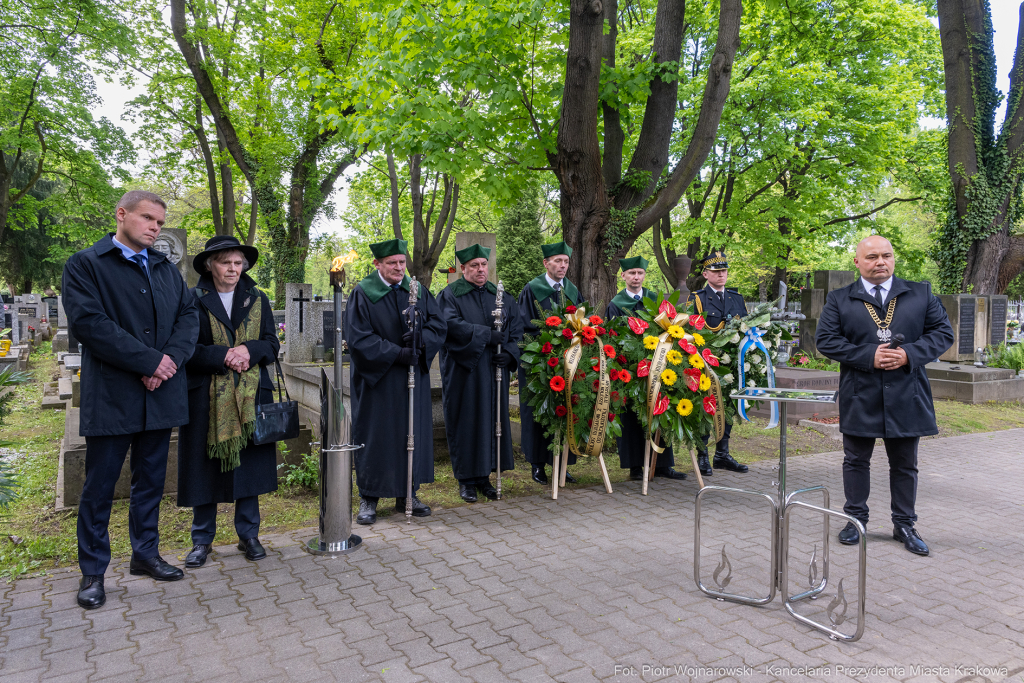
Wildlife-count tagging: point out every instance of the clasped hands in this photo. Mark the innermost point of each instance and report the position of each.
(163, 372)
(237, 358)
(889, 359)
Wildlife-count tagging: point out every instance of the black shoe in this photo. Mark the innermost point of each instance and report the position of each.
(419, 508)
(727, 462)
(253, 549)
(155, 567)
(90, 592)
(468, 492)
(849, 535)
(485, 487)
(569, 479)
(538, 474)
(367, 511)
(912, 540)
(197, 557)
(668, 473)
(703, 465)
(636, 473)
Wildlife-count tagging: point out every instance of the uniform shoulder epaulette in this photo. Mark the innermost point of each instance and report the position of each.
(732, 289)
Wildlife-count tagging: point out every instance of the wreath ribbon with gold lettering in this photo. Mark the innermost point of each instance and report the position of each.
(599, 421)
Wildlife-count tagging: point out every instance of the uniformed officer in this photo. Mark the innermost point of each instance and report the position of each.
(718, 304)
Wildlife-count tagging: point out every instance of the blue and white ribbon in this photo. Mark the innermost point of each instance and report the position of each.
(753, 340)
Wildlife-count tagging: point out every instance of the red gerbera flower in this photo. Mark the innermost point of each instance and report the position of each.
(557, 383)
(588, 332)
(553, 361)
(561, 411)
(637, 325)
(666, 306)
(687, 346)
(596, 320)
(710, 405)
(609, 350)
(697, 321)
(614, 375)
(662, 404)
(546, 348)
(553, 321)
(709, 358)
(643, 368)
(625, 377)
(570, 309)
(567, 333)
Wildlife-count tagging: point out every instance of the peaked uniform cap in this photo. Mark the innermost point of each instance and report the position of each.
(631, 263)
(389, 248)
(471, 252)
(716, 261)
(556, 249)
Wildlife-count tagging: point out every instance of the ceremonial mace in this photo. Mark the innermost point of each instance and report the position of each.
(411, 318)
(498, 321)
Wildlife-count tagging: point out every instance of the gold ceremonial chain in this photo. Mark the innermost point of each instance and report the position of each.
(884, 335)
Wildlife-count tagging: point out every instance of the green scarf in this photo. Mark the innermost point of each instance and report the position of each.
(542, 290)
(233, 395)
(462, 287)
(626, 302)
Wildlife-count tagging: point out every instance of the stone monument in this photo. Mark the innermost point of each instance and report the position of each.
(997, 305)
(968, 314)
(484, 239)
(813, 300)
(172, 243)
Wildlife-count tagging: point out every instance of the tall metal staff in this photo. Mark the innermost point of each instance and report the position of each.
(411, 319)
(498, 322)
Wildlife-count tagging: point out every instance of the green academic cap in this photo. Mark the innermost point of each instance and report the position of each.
(471, 252)
(390, 248)
(556, 249)
(631, 263)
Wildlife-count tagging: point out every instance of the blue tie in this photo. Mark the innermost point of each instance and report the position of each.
(396, 287)
(636, 297)
(141, 260)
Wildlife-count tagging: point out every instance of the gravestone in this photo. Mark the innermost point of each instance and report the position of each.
(813, 300)
(304, 322)
(172, 243)
(968, 314)
(829, 280)
(29, 309)
(997, 304)
(484, 239)
(63, 340)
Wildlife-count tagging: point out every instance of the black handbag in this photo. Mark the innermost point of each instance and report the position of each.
(276, 421)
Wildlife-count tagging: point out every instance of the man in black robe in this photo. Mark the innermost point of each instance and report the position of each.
(382, 351)
(547, 290)
(469, 359)
(631, 443)
(718, 304)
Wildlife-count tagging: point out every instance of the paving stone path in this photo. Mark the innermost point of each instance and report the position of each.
(589, 587)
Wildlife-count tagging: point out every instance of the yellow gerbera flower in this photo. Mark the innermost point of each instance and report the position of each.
(698, 340)
(675, 331)
(674, 357)
(668, 377)
(705, 382)
(684, 407)
(650, 343)
(696, 361)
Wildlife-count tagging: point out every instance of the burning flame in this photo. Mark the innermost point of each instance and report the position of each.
(339, 262)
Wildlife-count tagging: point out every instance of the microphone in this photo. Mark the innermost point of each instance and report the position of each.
(896, 341)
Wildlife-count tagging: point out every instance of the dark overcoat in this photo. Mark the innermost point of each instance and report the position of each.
(631, 445)
(126, 322)
(200, 480)
(468, 377)
(716, 311)
(374, 326)
(537, 446)
(884, 403)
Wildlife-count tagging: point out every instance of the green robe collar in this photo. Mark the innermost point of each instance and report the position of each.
(375, 289)
(626, 302)
(462, 287)
(542, 290)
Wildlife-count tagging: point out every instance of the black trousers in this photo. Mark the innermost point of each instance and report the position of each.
(247, 520)
(104, 457)
(902, 476)
(724, 441)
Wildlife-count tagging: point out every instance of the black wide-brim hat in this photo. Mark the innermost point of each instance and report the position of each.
(224, 243)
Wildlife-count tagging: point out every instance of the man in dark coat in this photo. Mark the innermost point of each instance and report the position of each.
(547, 290)
(202, 483)
(718, 304)
(469, 359)
(133, 314)
(631, 443)
(382, 349)
(883, 392)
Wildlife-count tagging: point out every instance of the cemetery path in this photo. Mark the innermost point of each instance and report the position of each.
(589, 587)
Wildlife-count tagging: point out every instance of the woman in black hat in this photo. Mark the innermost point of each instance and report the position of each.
(217, 460)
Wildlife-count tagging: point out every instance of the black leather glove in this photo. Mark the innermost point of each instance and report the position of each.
(407, 356)
(502, 360)
(497, 337)
(407, 339)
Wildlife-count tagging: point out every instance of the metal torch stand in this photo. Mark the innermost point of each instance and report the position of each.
(782, 504)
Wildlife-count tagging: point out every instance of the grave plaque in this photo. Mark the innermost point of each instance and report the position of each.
(963, 313)
(997, 318)
(328, 332)
(966, 326)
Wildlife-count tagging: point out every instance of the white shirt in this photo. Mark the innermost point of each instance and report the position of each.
(552, 283)
(386, 283)
(870, 288)
(227, 299)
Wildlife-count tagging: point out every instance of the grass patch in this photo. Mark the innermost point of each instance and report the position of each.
(36, 538)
